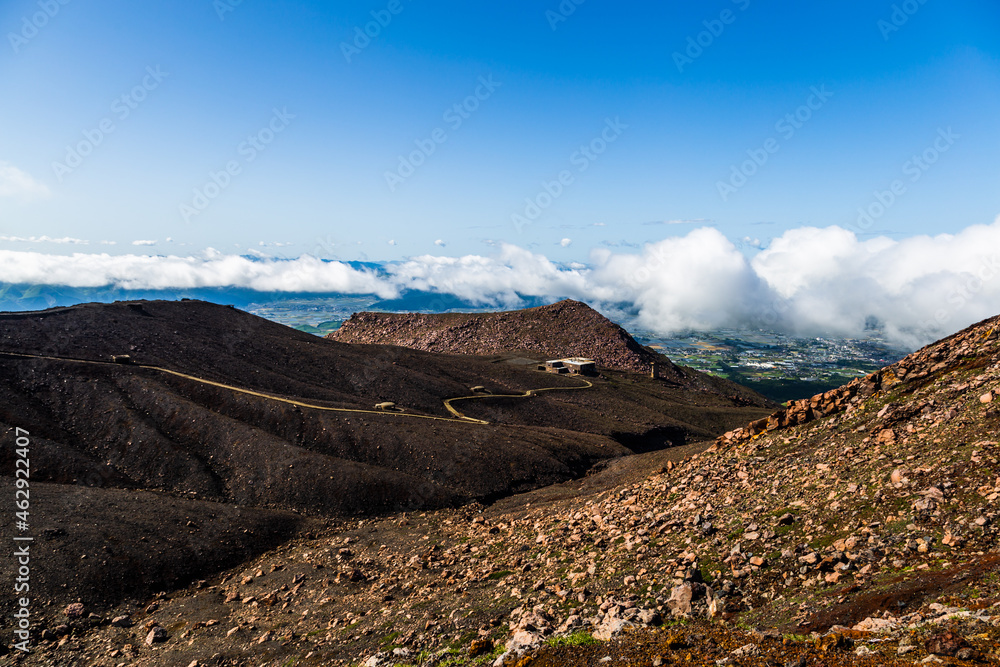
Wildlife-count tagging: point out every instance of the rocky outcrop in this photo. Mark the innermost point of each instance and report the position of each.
(966, 348)
(564, 329)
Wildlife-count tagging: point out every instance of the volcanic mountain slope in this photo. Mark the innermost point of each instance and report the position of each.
(153, 429)
(865, 535)
(143, 429)
(564, 329)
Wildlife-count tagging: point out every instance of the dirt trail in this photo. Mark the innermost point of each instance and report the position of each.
(312, 406)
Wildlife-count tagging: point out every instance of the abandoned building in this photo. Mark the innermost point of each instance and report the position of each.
(571, 366)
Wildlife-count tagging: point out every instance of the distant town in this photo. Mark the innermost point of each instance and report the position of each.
(318, 316)
(779, 366)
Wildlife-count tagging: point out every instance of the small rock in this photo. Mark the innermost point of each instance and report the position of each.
(611, 627)
(124, 621)
(680, 600)
(522, 640)
(872, 624)
(886, 437)
(946, 643)
(968, 653)
(480, 647)
(74, 610)
(156, 636)
(745, 651)
(986, 398)
(809, 559)
(831, 641)
(648, 617)
(377, 660)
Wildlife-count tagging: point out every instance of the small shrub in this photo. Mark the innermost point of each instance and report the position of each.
(576, 639)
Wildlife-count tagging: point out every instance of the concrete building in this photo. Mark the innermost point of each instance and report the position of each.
(571, 366)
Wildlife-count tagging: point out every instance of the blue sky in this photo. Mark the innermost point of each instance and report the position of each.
(320, 184)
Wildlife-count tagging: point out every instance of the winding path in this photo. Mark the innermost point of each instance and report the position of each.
(301, 404)
(528, 394)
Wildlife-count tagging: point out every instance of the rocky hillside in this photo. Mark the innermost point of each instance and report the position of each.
(564, 329)
(857, 528)
(226, 427)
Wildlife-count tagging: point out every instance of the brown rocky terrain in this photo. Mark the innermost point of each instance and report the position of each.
(564, 329)
(857, 528)
(228, 434)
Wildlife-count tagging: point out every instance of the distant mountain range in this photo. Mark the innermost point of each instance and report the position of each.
(20, 297)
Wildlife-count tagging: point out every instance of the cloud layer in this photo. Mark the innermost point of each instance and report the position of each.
(809, 281)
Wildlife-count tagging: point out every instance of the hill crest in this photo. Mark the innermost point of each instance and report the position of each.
(567, 328)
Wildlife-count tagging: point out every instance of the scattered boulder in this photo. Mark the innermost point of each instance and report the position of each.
(156, 636)
(124, 621)
(946, 643)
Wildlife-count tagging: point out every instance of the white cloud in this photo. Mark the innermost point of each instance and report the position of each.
(808, 280)
(44, 239)
(489, 280)
(920, 287)
(14, 182)
(440, 242)
(212, 269)
(144, 243)
(392, 242)
(565, 242)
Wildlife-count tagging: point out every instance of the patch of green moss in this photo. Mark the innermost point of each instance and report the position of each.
(576, 639)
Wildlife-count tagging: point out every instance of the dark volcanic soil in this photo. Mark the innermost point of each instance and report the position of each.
(131, 427)
(873, 506)
(139, 427)
(102, 545)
